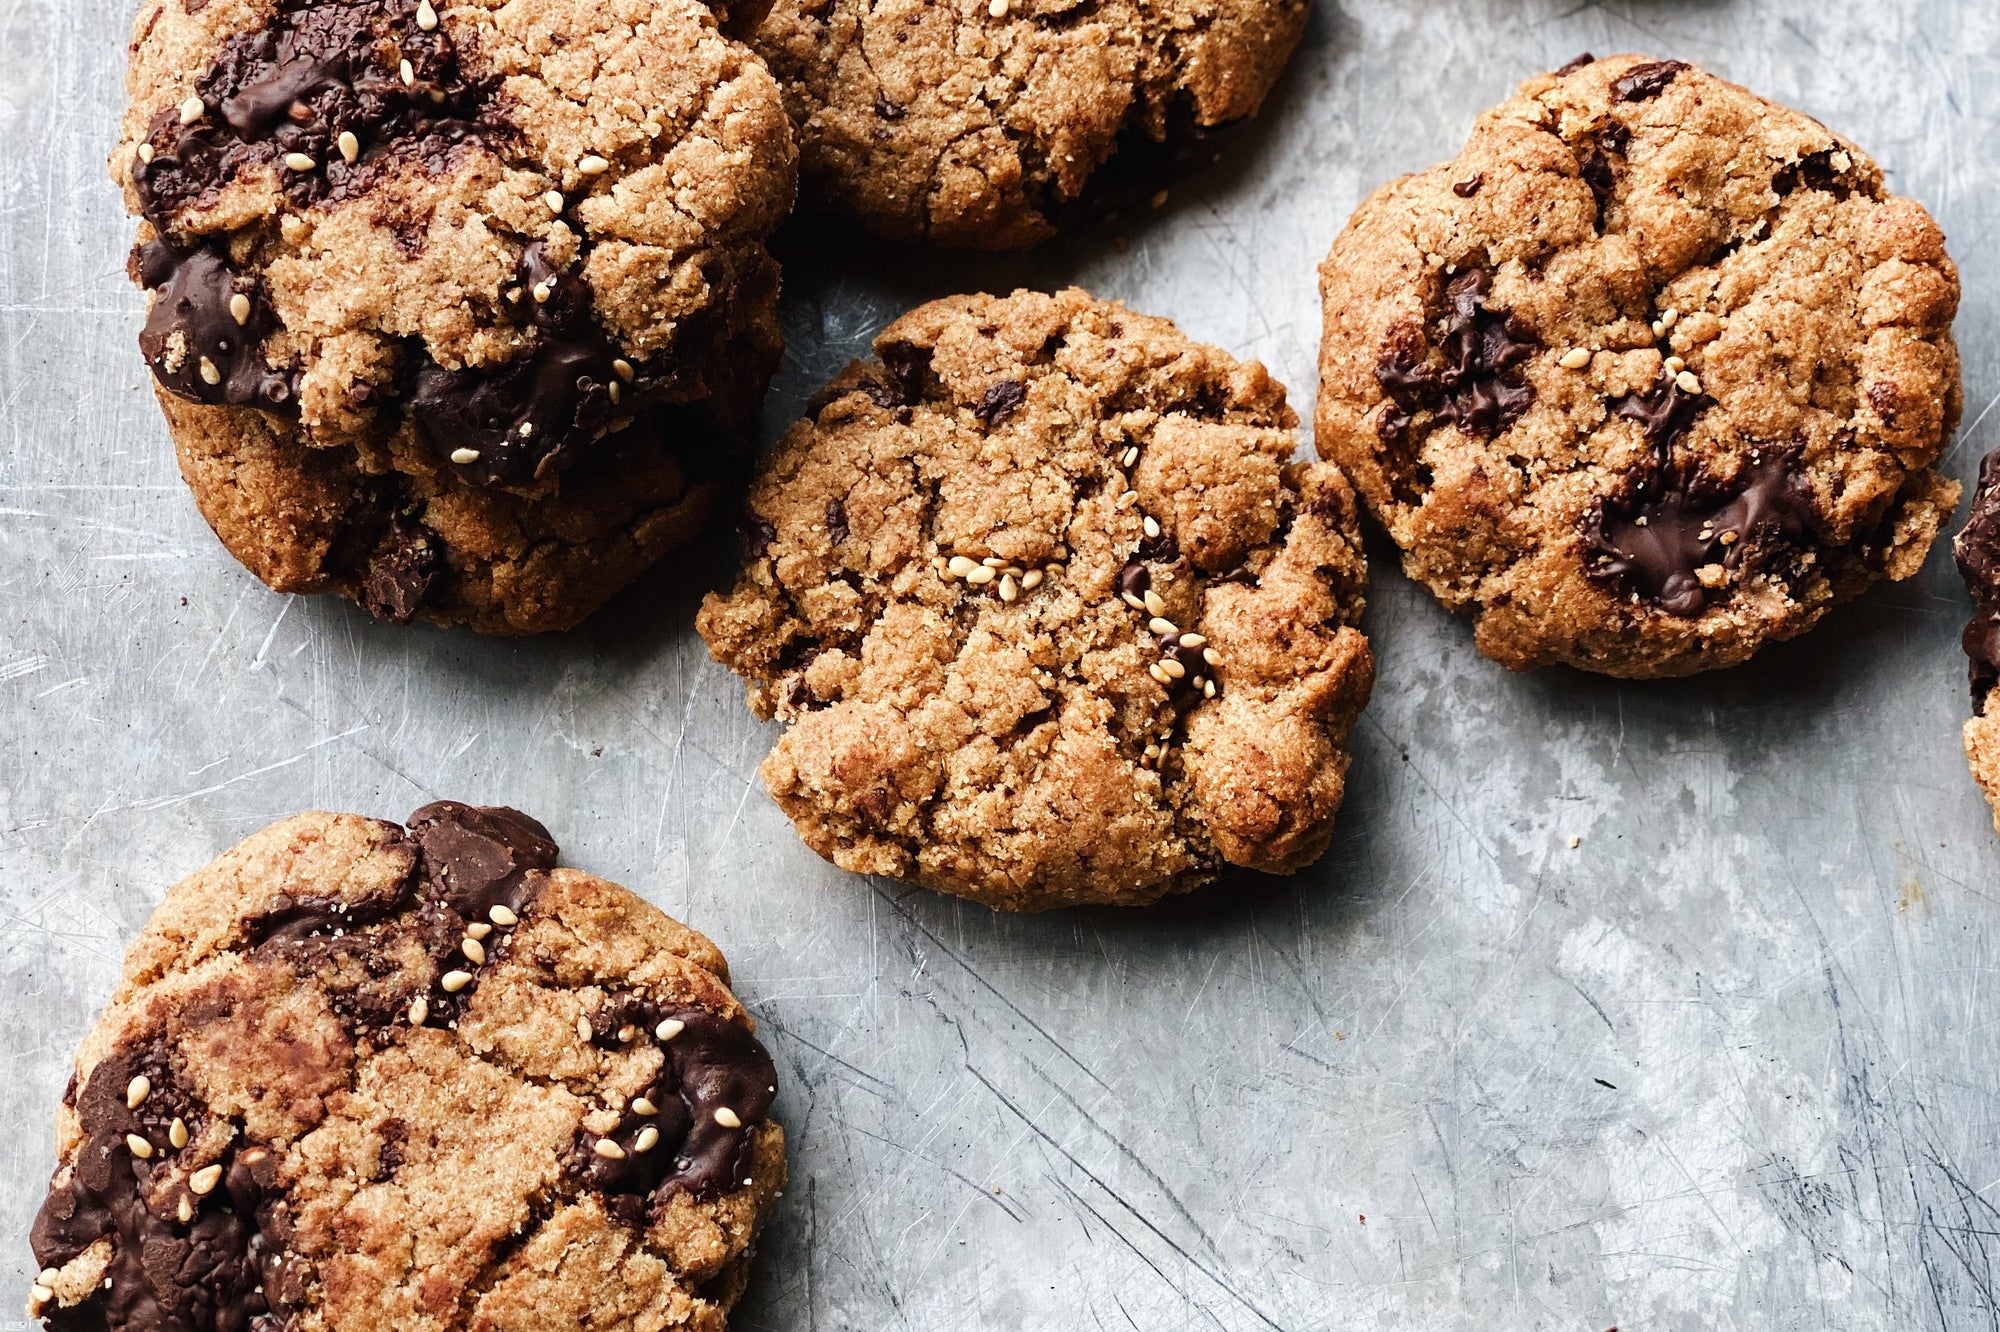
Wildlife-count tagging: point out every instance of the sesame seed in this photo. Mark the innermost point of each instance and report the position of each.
(420, 1009)
(209, 374)
(239, 308)
(1659, 329)
(1211, 656)
(1159, 673)
(475, 951)
(1151, 525)
(1130, 456)
(454, 981)
(1194, 640)
(177, 1133)
(503, 915)
(998, 8)
(1576, 358)
(1155, 604)
(1173, 668)
(1208, 689)
(1152, 752)
(145, 152)
(541, 291)
(186, 1209)
(48, 1276)
(993, 562)
(623, 369)
(669, 1029)
(647, 1139)
(350, 147)
(1575, 842)
(192, 110)
(1009, 589)
(609, 1150)
(478, 929)
(1675, 365)
(427, 17)
(642, 1105)
(1160, 626)
(136, 1091)
(299, 162)
(727, 1118)
(554, 200)
(204, 1180)
(582, 1028)
(980, 576)
(1128, 499)
(627, 1033)
(1014, 570)
(463, 455)
(593, 165)
(138, 1146)
(1133, 601)
(1670, 318)
(409, 74)
(1688, 383)
(959, 566)
(1031, 580)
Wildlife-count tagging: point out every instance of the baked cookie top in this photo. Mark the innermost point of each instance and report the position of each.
(359, 1076)
(1653, 373)
(974, 123)
(479, 233)
(1048, 612)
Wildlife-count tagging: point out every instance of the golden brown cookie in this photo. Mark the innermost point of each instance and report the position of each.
(980, 122)
(452, 255)
(1049, 613)
(1654, 373)
(362, 1076)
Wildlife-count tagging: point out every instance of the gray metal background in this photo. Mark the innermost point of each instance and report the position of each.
(1730, 1063)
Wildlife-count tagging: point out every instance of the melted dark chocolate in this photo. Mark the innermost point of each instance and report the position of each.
(1643, 82)
(196, 346)
(1479, 386)
(482, 856)
(1977, 550)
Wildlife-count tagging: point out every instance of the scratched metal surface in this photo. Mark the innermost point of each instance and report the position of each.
(1730, 1063)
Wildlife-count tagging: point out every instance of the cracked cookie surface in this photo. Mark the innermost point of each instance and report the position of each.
(452, 253)
(978, 124)
(1048, 612)
(1653, 373)
(364, 1076)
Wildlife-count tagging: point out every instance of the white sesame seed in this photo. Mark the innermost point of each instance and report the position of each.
(478, 929)
(475, 951)
(177, 1133)
(958, 566)
(145, 152)
(1151, 525)
(192, 110)
(647, 1139)
(669, 1029)
(993, 562)
(408, 73)
(642, 1105)
(209, 374)
(1132, 600)
(727, 1118)
(1152, 751)
(1688, 383)
(1670, 318)
(136, 1091)
(1208, 688)
(454, 981)
(204, 1180)
(1160, 626)
(609, 1150)
(1173, 668)
(503, 915)
(239, 308)
(1009, 589)
(1194, 640)
(299, 162)
(582, 1028)
(998, 8)
(1659, 329)
(541, 291)
(1131, 456)
(1675, 365)
(350, 147)
(1576, 358)
(554, 200)
(1159, 673)
(1128, 499)
(593, 165)
(427, 17)
(1211, 656)
(49, 1276)
(623, 369)
(462, 455)
(980, 576)
(186, 1209)
(138, 1146)
(1155, 605)
(1031, 580)
(420, 1009)
(627, 1033)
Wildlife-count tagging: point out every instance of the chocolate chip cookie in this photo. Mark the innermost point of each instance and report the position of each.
(1977, 548)
(980, 124)
(1048, 612)
(1654, 373)
(367, 1076)
(413, 264)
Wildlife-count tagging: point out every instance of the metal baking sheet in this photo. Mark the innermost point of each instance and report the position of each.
(1731, 1062)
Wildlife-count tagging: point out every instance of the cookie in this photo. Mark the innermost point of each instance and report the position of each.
(981, 124)
(1654, 373)
(1048, 612)
(424, 263)
(367, 1076)
(1977, 548)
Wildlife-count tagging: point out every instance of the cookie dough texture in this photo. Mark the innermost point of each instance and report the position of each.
(1047, 611)
(1977, 548)
(413, 266)
(1654, 373)
(971, 123)
(356, 1075)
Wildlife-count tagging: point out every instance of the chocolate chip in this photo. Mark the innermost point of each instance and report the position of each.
(1479, 387)
(1134, 580)
(1886, 399)
(479, 857)
(711, 1064)
(1465, 189)
(836, 521)
(1000, 401)
(758, 535)
(1161, 549)
(887, 109)
(198, 349)
(1977, 551)
(1573, 66)
(401, 574)
(1815, 171)
(1643, 82)
(909, 368)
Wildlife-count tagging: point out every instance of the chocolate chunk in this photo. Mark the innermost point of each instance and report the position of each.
(887, 109)
(1643, 82)
(1000, 401)
(197, 347)
(758, 534)
(1664, 412)
(1977, 551)
(480, 857)
(1886, 399)
(1161, 549)
(1815, 171)
(1479, 387)
(1465, 189)
(909, 368)
(1134, 580)
(836, 521)
(712, 1064)
(401, 575)
(1573, 66)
